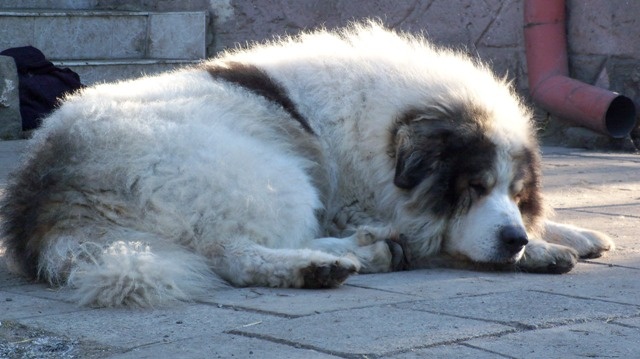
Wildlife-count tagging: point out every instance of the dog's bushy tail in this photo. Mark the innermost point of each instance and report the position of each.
(127, 272)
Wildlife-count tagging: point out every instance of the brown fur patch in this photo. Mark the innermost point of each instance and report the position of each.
(257, 81)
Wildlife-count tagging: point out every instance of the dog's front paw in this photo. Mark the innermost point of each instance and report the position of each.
(597, 244)
(384, 256)
(329, 274)
(542, 257)
(588, 243)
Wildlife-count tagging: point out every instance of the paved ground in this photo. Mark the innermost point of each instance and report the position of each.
(593, 311)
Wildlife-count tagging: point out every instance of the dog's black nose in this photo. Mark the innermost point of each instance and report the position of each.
(514, 238)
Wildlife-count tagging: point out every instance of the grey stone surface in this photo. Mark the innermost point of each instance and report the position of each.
(222, 346)
(130, 328)
(294, 303)
(16, 306)
(453, 351)
(597, 339)
(177, 35)
(106, 45)
(48, 4)
(92, 72)
(91, 35)
(10, 153)
(602, 36)
(597, 29)
(525, 308)
(19, 341)
(10, 119)
(594, 30)
(592, 311)
(377, 330)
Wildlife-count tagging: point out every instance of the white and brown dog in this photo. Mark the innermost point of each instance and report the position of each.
(289, 164)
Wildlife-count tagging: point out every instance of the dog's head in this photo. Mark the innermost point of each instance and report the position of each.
(456, 168)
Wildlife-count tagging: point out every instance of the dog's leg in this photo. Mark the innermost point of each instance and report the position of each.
(543, 257)
(378, 249)
(588, 243)
(245, 263)
(124, 267)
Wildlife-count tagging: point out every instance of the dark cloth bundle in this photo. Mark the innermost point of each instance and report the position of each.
(41, 84)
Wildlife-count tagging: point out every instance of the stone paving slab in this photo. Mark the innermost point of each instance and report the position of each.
(380, 330)
(221, 346)
(295, 303)
(525, 308)
(439, 283)
(588, 279)
(599, 282)
(593, 311)
(130, 328)
(453, 351)
(597, 339)
(17, 306)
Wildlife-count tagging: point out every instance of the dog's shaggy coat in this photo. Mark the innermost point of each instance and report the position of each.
(290, 164)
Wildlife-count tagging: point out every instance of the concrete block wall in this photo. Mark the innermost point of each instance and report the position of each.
(602, 33)
(604, 46)
(604, 43)
(10, 119)
(107, 45)
(95, 35)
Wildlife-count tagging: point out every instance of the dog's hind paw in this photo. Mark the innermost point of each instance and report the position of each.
(329, 275)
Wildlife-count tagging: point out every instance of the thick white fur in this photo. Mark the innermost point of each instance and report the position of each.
(221, 193)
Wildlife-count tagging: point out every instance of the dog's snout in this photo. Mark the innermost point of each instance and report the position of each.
(514, 238)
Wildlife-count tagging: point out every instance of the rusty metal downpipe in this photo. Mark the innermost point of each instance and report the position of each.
(549, 82)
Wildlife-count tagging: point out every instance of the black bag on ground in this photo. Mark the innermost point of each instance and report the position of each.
(41, 84)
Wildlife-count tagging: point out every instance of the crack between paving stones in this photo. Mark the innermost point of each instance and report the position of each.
(585, 298)
(251, 310)
(419, 297)
(607, 214)
(447, 342)
(150, 344)
(607, 264)
(13, 290)
(625, 325)
(50, 314)
(515, 325)
(487, 350)
(295, 316)
(522, 327)
(298, 345)
(369, 355)
(381, 290)
(593, 156)
(581, 209)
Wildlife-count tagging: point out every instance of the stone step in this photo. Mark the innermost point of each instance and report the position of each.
(97, 71)
(111, 35)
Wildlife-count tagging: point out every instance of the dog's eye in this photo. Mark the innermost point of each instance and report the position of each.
(516, 190)
(517, 197)
(478, 187)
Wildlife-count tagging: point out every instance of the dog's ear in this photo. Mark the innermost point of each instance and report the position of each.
(418, 147)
